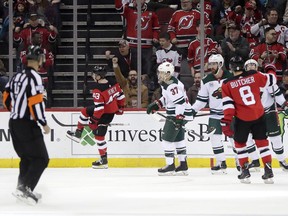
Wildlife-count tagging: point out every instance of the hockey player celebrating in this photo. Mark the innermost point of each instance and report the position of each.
(271, 115)
(242, 100)
(210, 91)
(108, 100)
(178, 111)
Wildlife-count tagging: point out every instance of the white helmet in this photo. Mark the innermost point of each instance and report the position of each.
(216, 58)
(251, 61)
(165, 71)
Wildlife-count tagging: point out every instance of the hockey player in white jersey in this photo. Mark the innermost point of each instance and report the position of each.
(178, 111)
(270, 96)
(210, 91)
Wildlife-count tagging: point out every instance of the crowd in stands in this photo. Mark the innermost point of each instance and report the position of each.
(248, 28)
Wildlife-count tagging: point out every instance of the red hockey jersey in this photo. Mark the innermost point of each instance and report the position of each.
(241, 95)
(107, 99)
(150, 27)
(183, 24)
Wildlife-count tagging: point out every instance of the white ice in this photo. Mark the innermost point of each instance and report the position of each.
(141, 192)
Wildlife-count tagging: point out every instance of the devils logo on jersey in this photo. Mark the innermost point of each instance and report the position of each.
(185, 22)
(144, 22)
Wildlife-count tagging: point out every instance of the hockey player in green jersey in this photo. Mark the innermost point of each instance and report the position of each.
(178, 111)
(210, 91)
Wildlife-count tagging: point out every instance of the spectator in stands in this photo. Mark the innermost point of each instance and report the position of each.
(234, 45)
(168, 52)
(270, 21)
(23, 38)
(130, 87)
(285, 15)
(150, 31)
(3, 80)
(194, 89)
(126, 60)
(270, 52)
(194, 51)
(47, 66)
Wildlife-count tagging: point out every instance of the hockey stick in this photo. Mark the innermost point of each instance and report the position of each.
(211, 132)
(75, 125)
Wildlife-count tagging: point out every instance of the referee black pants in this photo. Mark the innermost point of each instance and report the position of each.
(29, 145)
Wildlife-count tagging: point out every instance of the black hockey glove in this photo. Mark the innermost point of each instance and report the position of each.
(153, 107)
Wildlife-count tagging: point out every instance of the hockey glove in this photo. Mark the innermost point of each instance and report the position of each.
(120, 110)
(153, 107)
(226, 127)
(268, 68)
(179, 121)
(285, 108)
(93, 123)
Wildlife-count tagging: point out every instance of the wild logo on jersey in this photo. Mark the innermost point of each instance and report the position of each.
(217, 93)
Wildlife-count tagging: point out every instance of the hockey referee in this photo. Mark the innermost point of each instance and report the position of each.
(23, 97)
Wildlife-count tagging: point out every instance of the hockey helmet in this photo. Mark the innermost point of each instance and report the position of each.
(34, 53)
(165, 71)
(249, 63)
(216, 58)
(99, 70)
(236, 63)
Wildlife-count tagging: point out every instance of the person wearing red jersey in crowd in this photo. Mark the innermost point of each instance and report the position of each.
(23, 38)
(194, 52)
(150, 30)
(271, 21)
(109, 100)
(270, 52)
(242, 101)
(48, 61)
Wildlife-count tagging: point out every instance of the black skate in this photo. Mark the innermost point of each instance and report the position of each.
(25, 195)
(283, 165)
(254, 166)
(268, 174)
(168, 170)
(75, 136)
(220, 168)
(101, 164)
(244, 177)
(182, 169)
(238, 167)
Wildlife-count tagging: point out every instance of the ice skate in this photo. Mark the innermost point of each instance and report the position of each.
(182, 169)
(283, 165)
(168, 170)
(75, 136)
(25, 195)
(220, 168)
(244, 177)
(100, 164)
(254, 166)
(268, 174)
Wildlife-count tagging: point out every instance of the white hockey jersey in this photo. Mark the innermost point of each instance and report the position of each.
(267, 97)
(210, 92)
(175, 100)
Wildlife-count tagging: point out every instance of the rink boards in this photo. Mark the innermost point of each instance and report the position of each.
(135, 144)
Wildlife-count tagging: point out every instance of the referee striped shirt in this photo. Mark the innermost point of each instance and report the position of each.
(23, 96)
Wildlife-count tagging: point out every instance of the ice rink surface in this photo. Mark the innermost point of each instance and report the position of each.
(141, 192)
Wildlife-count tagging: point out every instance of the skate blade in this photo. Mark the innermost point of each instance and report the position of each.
(26, 200)
(269, 181)
(181, 173)
(100, 167)
(254, 169)
(219, 172)
(284, 170)
(75, 139)
(245, 181)
(171, 173)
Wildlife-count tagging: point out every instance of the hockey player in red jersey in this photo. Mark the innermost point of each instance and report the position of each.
(241, 100)
(108, 100)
